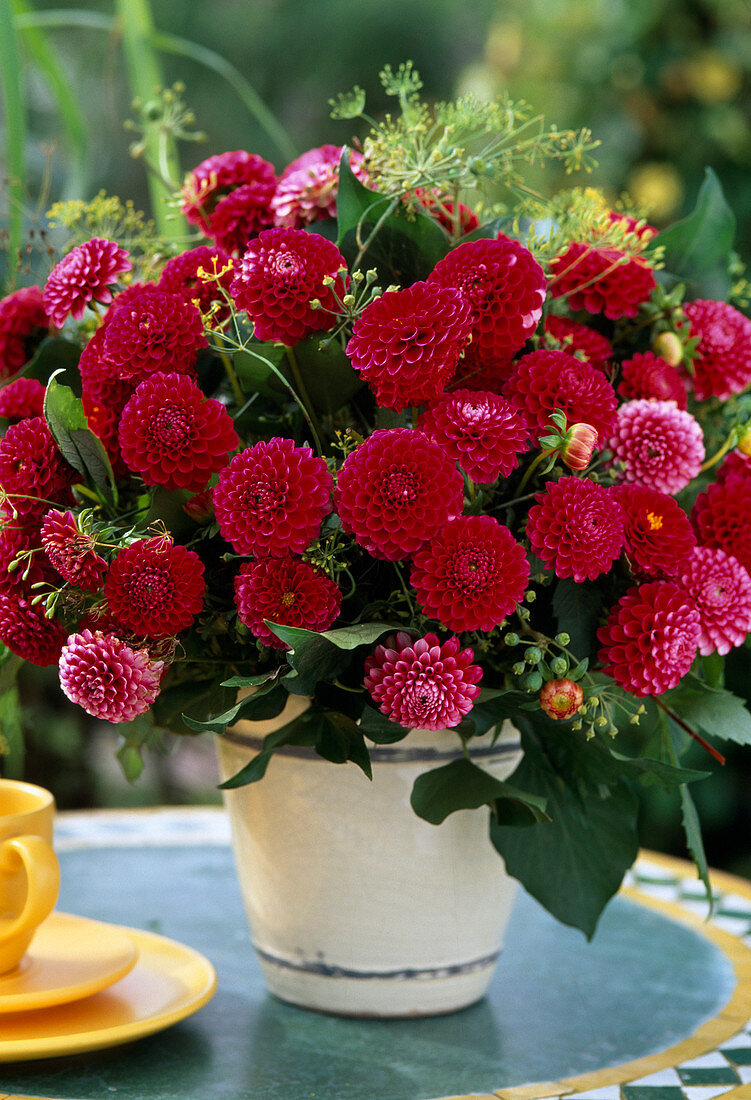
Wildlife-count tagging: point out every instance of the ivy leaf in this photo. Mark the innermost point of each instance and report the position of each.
(461, 785)
(404, 249)
(78, 445)
(698, 248)
(577, 610)
(574, 864)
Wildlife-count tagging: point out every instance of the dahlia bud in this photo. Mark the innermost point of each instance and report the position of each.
(578, 444)
(561, 698)
(668, 346)
(744, 440)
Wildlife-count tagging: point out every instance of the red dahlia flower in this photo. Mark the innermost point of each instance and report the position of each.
(84, 275)
(173, 435)
(281, 273)
(272, 497)
(181, 276)
(396, 491)
(23, 324)
(481, 431)
(406, 344)
(601, 280)
(576, 527)
(650, 639)
(72, 552)
(721, 592)
(17, 538)
(649, 377)
(32, 470)
(307, 188)
(505, 288)
(456, 219)
(573, 337)
(21, 399)
(544, 381)
(107, 678)
(422, 684)
(659, 538)
(722, 362)
(722, 518)
(25, 629)
(241, 216)
(657, 444)
(155, 588)
(287, 591)
(471, 574)
(218, 176)
(154, 331)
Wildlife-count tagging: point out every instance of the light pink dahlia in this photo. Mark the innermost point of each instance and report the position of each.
(576, 528)
(484, 432)
(396, 491)
(658, 444)
(307, 188)
(650, 639)
(720, 589)
(471, 574)
(272, 498)
(107, 678)
(422, 684)
(84, 275)
(406, 344)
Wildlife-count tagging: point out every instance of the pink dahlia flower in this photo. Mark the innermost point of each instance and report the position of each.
(172, 435)
(544, 381)
(27, 632)
(307, 188)
(722, 364)
(396, 491)
(481, 431)
(646, 376)
(650, 639)
(280, 274)
(272, 498)
(407, 343)
(580, 340)
(471, 574)
(23, 325)
(505, 288)
(576, 528)
(659, 538)
(32, 470)
(21, 399)
(720, 589)
(288, 592)
(72, 552)
(220, 175)
(601, 280)
(84, 275)
(107, 678)
(155, 588)
(422, 684)
(657, 444)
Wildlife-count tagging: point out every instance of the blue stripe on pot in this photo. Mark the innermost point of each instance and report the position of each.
(384, 754)
(328, 970)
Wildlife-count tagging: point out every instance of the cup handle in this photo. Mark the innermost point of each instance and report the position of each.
(43, 881)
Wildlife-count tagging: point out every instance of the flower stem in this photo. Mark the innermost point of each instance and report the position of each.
(305, 402)
(230, 372)
(532, 467)
(691, 732)
(731, 440)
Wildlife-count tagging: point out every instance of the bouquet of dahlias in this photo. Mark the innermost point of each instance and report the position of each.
(383, 437)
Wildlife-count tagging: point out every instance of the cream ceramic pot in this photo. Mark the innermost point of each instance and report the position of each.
(356, 905)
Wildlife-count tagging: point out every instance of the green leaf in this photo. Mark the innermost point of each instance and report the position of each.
(254, 707)
(55, 354)
(379, 728)
(692, 829)
(577, 609)
(374, 231)
(330, 378)
(697, 248)
(66, 418)
(716, 711)
(574, 864)
(11, 734)
(461, 785)
(254, 368)
(323, 656)
(669, 775)
(198, 697)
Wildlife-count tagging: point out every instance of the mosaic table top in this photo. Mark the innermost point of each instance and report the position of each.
(585, 1026)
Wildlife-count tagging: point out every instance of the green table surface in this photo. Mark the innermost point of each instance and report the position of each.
(558, 1007)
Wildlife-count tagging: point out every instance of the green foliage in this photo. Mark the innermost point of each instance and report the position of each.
(78, 444)
(577, 609)
(315, 657)
(461, 785)
(716, 711)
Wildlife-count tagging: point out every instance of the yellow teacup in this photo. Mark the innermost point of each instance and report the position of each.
(29, 871)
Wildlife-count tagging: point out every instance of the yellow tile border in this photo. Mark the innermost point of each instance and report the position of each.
(731, 1018)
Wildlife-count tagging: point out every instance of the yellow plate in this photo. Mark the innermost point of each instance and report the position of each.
(69, 958)
(169, 982)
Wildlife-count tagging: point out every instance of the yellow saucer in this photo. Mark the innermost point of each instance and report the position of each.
(169, 982)
(69, 958)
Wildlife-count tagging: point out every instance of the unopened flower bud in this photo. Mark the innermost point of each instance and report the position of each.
(668, 346)
(561, 698)
(578, 445)
(744, 441)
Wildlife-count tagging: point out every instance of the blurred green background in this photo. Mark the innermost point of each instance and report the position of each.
(664, 84)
